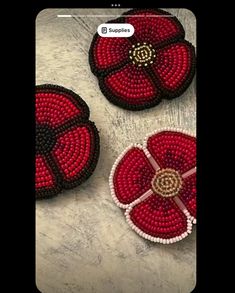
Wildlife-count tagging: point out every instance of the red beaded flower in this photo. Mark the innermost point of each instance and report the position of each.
(67, 143)
(136, 73)
(156, 184)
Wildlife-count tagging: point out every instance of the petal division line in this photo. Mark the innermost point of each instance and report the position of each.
(189, 172)
(141, 198)
(183, 208)
(151, 159)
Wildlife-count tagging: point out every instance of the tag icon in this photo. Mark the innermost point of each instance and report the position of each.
(104, 30)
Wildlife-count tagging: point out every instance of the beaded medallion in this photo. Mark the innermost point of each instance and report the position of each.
(155, 63)
(67, 143)
(156, 185)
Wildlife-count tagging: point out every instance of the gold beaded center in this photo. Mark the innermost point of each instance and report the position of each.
(142, 54)
(167, 182)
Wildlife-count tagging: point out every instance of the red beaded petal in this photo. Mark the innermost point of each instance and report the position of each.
(188, 194)
(131, 86)
(160, 64)
(45, 180)
(174, 66)
(164, 210)
(65, 137)
(109, 52)
(174, 150)
(154, 26)
(56, 105)
(132, 176)
(74, 153)
(158, 217)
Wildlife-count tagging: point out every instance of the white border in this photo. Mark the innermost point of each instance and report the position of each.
(111, 184)
(158, 239)
(190, 219)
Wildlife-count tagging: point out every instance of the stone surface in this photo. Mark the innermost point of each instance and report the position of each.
(83, 243)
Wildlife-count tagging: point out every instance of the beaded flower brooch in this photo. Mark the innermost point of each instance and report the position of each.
(155, 63)
(156, 185)
(67, 143)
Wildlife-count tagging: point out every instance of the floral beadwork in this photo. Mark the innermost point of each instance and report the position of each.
(67, 143)
(156, 185)
(155, 63)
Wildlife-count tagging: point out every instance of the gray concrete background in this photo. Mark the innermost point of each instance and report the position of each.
(83, 243)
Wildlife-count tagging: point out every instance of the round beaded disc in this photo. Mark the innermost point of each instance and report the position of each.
(67, 143)
(155, 63)
(156, 185)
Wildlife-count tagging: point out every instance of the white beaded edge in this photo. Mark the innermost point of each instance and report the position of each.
(190, 219)
(194, 220)
(158, 239)
(111, 184)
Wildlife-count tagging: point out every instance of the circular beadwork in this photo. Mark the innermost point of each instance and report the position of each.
(66, 142)
(167, 182)
(156, 185)
(45, 139)
(155, 63)
(142, 54)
